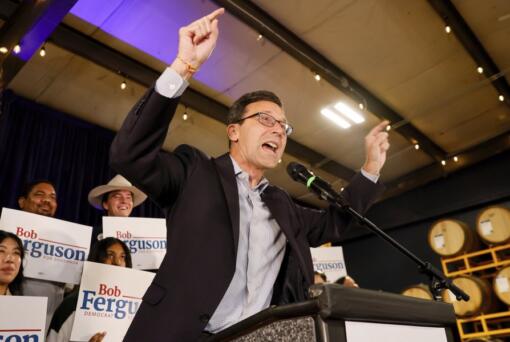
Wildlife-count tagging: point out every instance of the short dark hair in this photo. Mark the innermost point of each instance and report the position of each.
(15, 285)
(98, 252)
(236, 111)
(29, 186)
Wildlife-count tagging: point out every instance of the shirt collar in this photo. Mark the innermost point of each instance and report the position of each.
(244, 175)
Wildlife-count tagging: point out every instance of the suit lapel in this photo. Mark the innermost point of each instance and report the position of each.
(279, 208)
(225, 170)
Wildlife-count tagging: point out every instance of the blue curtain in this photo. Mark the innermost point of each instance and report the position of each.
(39, 142)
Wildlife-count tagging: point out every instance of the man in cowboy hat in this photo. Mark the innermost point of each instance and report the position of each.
(117, 198)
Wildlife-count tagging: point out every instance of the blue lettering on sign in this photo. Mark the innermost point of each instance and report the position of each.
(136, 245)
(37, 249)
(118, 307)
(328, 266)
(19, 338)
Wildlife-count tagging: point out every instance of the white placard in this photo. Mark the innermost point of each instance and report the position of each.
(22, 318)
(502, 284)
(145, 237)
(329, 260)
(439, 241)
(486, 227)
(108, 300)
(365, 331)
(55, 249)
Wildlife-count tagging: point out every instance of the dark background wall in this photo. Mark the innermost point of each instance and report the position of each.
(408, 218)
(37, 142)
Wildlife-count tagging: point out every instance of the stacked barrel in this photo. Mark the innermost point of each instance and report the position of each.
(489, 288)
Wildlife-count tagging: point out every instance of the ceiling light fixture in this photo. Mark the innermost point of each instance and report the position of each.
(501, 98)
(361, 106)
(123, 85)
(456, 159)
(337, 119)
(388, 128)
(3, 50)
(317, 77)
(351, 114)
(260, 37)
(42, 52)
(443, 162)
(416, 146)
(448, 29)
(17, 49)
(479, 70)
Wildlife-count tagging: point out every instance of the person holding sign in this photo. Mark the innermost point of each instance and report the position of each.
(116, 198)
(246, 241)
(11, 264)
(39, 197)
(110, 251)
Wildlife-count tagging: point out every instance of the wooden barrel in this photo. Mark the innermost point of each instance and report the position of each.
(481, 297)
(418, 291)
(493, 225)
(451, 237)
(501, 285)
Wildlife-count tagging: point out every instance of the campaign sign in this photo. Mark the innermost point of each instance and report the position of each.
(329, 260)
(22, 318)
(108, 300)
(145, 238)
(55, 249)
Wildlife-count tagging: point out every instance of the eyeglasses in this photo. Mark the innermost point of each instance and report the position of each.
(268, 121)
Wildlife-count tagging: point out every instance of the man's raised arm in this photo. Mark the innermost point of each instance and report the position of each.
(136, 150)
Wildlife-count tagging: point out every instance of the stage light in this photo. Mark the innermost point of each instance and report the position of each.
(337, 119)
(351, 114)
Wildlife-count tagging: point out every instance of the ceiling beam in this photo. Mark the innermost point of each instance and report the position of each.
(451, 16)
(471, 156)
(27, 28)
(262, 22)
(89, 48)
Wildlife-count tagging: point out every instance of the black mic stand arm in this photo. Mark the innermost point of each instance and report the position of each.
(438, 281)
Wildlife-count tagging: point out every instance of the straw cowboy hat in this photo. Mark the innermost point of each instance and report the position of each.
(116, 183)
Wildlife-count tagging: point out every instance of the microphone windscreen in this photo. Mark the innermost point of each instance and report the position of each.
(297, 171)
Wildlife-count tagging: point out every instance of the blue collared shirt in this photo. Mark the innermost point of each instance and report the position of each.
(260, 253)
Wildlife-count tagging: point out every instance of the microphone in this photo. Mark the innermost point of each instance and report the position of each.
(317, 185)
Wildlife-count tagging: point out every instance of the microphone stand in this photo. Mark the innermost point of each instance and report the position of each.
(437, 281)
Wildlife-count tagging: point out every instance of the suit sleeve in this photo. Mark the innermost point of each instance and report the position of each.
(136, 152)
(330, 225)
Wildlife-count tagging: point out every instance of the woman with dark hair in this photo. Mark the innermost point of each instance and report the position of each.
(11, 263)
(109, 251)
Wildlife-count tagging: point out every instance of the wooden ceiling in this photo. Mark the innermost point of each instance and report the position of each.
(394, 56)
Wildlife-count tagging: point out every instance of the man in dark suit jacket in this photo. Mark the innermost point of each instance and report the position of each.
(236, 244)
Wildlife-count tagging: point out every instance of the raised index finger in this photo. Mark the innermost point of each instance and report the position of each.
(213, 15)
(379, 128)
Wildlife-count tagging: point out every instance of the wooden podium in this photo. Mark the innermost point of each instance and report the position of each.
(341, 314)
